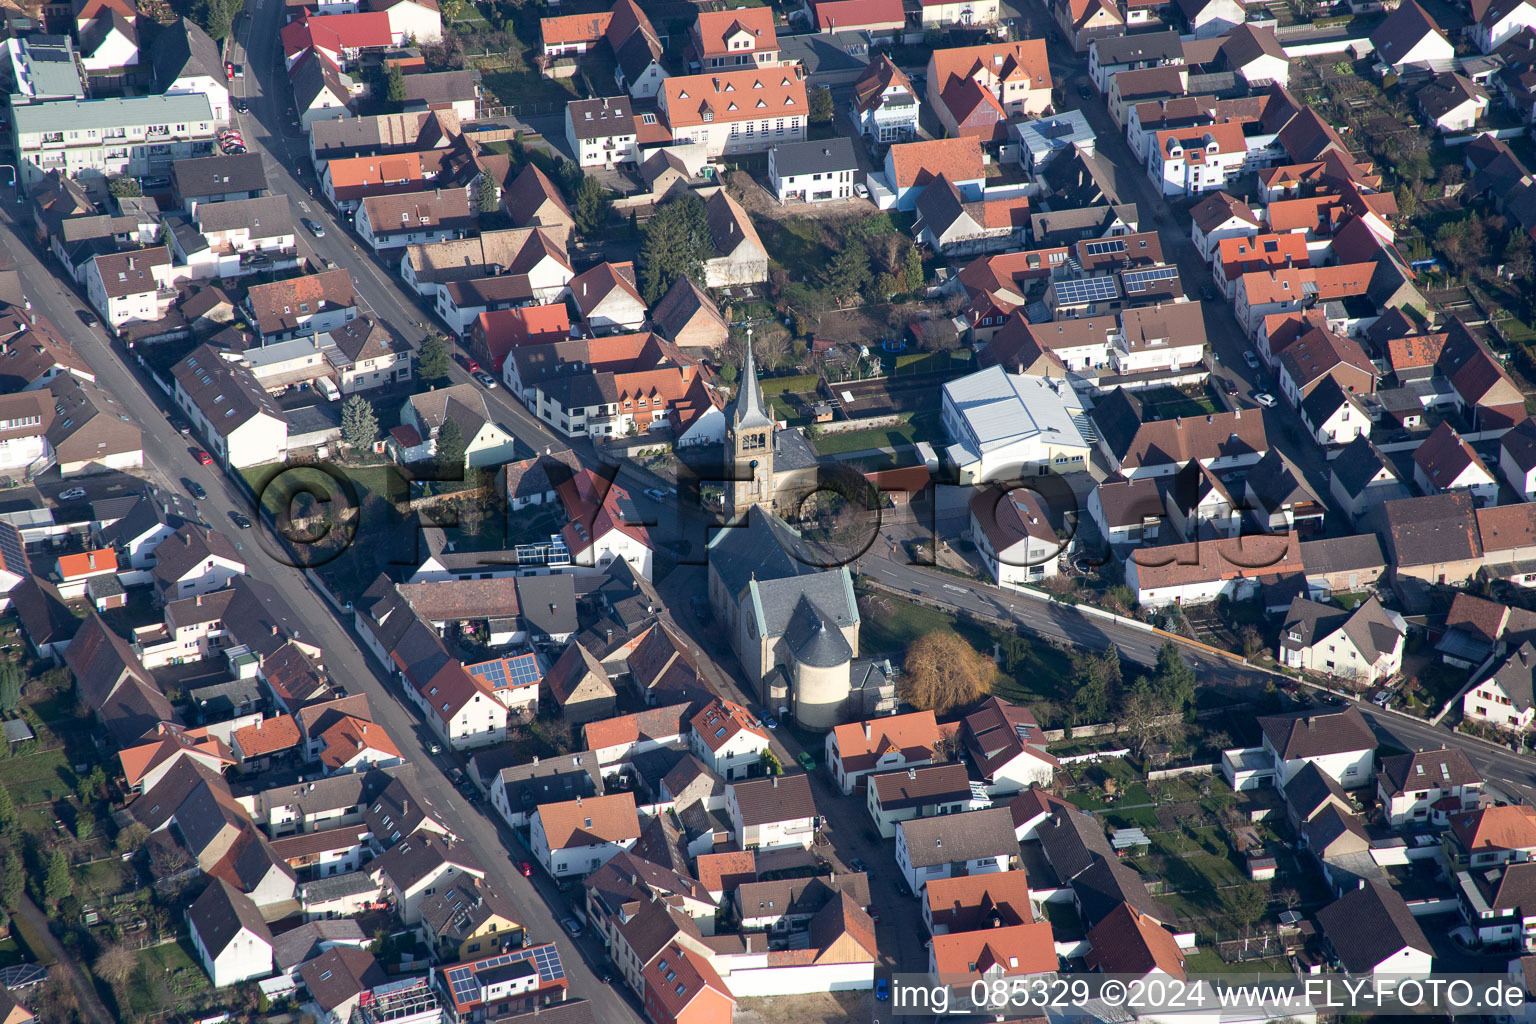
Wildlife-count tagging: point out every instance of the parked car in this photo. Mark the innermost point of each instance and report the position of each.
(861, 190)
(655, 493)
(486, 380)
(806, 761)
(156, 183)
(180, 425)
(86, 317)
(242, 107)
(313, 228)
(882, 989)
(239, 70)
(1230, 387)
(202, 457)
(73, 494)
(1265, 399)
(857, 864)
(1207, 293)
(241, 520)
(196, 489)
(526, 869)
(1252, 360)
(771, 722)
(1085, 91)
(571, 925)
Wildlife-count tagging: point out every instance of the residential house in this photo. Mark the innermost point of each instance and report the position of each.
(1504, 699)
(1362, 477)
(741, 256)
(485, 442)
(194, 560)
(1007, 746)
(608, 299)
(813, 172)
(731, 112)
(130, 287)
(1130, 942)
(1372, 932)
(970, 843)
(725, 40)
(1427, 787)
(517, 790)
(1338, 741)
(884, 105)
(1496, 21)
(924, 792)
(90, 432)
(232, 941)
(773, 813)
(728, 739)
(602, 132)
(1333, 415)
(186, 64)
(1012, 532)
(236, 418)
(1085, 21)
(1362, 646)
(1318, 355)
(1444, 462)
(855, 750)
(366, 355)
(973, 903)
(1218, 217)
(321, 90)
(576, 837)
(1015, 78)
(413, 869)
(1517, 458)
(912, 166)
(413, 218)
(1410, 38)
(1207, 19)
(1452, 102)
(1489, 837)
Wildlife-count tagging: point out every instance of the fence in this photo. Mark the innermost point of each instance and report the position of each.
(1097, 755)
(1187, 769)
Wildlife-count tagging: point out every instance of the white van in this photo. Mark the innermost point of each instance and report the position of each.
(329, 389)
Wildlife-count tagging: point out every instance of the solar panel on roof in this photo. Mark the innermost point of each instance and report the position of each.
(1104, 248)
(1139, 279)
(524, 669)
(1085, 289)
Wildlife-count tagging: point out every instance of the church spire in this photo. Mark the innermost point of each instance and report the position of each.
(750, 407)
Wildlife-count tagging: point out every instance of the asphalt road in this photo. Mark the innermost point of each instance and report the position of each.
(168, 462)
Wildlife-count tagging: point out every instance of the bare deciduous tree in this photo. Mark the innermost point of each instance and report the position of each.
(943, 672)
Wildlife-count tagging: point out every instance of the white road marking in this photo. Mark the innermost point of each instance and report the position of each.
(958, 590)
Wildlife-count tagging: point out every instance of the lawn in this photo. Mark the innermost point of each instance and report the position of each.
(1165, 403)
(527, 89)
(912, 428)
(279, 486)
(37, 778)
(792, 242)
(888, 624)
(1207, 961)
(167, 974)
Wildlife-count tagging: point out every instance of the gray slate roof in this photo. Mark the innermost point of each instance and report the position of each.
(1368, 925)
(951, 838)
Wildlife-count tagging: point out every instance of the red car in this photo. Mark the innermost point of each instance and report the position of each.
(473, 366)
(202, 457)
(526, 869)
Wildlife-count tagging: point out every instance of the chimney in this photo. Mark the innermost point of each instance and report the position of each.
(911, 773)
(535, 758)
(90, 559)
(867, 731)
(199, 600)
(775, 781)
(578, 800)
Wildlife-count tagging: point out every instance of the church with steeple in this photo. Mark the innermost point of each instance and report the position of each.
(766, 467)
(793, 621)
